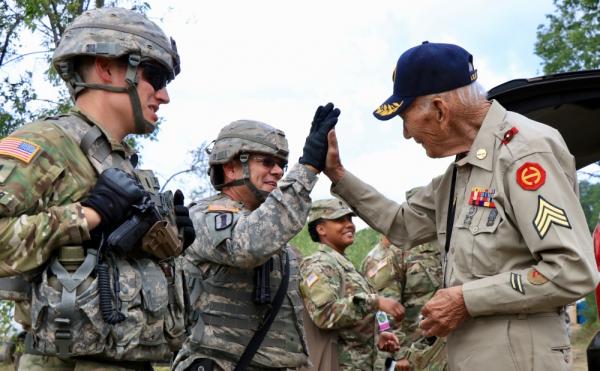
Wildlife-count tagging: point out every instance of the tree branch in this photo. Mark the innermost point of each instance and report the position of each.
(9, 33)
(18, 58)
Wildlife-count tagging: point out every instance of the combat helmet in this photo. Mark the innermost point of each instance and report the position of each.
(115, 33)
(238, 140)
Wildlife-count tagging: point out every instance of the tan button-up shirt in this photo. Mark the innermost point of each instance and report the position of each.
(520, 242)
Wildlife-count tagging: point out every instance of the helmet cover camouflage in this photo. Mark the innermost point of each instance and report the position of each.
(247, 136)
(329, 209)
(112, 33)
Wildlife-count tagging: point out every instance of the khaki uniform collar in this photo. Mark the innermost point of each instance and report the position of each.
(344, 262)
(114, 145)
(485, 141)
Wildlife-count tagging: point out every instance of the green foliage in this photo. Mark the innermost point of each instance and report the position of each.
(6, 310)
(364, 241)
(591, 311)
(571, 39)
(589, 197)
(47, 20)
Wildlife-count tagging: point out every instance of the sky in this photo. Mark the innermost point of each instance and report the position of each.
(276, 61)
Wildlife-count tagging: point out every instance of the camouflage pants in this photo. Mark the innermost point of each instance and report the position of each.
(31, 362)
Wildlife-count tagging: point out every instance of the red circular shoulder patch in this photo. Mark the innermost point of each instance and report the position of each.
(531, 176)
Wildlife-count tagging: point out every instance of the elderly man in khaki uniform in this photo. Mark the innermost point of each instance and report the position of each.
(516, 244)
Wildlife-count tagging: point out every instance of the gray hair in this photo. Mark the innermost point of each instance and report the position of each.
(467, 96)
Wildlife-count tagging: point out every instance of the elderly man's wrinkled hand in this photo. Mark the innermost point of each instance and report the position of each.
(388, 342)
(444, 312)
(315, 146)
(333, 164)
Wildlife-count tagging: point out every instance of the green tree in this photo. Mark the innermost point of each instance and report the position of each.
(571, 39)
(43, 20)
(589, 196)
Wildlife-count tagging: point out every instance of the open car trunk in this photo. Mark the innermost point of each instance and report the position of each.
(570, 102)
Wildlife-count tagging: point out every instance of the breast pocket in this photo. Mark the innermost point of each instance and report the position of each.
(475, 246)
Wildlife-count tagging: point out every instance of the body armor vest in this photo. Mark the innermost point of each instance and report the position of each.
(226, 317)
(65, 305)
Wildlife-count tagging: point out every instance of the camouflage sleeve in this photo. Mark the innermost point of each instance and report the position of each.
(320, 288)
(257, 235)
(29, 229)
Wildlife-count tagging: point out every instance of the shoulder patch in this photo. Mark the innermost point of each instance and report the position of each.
(311, 279)
(548, 214)
(223, 220)
(373, 271)
(20, 149)
(214, 208)
(531, 176)
(535, 277)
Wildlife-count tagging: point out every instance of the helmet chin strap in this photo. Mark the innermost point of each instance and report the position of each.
(142, 126)
(259, 196)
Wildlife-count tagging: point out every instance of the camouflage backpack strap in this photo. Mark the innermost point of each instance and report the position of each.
(93, 142)
(66, 308)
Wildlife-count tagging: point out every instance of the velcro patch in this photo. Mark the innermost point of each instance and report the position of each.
(516, 283)
(548, 214)
(222, 209)
(535, 277)
(20, 149)
(311, 279)
(531, 176)
(223, 220)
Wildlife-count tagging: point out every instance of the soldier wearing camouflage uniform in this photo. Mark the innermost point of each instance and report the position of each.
(336, 296)
(67, 182)
(242, 234)
(410, 276)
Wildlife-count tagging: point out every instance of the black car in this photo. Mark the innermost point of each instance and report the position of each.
(569, 101)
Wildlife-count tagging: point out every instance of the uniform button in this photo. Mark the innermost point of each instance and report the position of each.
(475, 229)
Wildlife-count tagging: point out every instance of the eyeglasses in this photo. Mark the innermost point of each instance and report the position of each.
(270, 162)
(156, 75)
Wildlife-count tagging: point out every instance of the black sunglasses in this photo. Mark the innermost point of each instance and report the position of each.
(156, 75)
(270, 162)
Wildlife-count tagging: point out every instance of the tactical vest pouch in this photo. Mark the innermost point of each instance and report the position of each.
(67, 320)
(161, 241)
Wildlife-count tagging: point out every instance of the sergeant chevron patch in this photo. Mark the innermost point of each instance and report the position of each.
(548, 214)
(516, 283)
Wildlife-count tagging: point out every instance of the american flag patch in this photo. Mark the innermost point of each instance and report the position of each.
(18, 148)
(311, 280)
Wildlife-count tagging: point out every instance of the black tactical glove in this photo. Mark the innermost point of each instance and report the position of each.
(315, 146)
(112, 196)
(182, 218)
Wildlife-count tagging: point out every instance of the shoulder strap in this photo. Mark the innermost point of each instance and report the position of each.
(260, 334)
(93, 143)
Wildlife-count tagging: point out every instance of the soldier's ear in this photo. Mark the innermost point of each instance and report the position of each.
(320, 228)
(104, 68)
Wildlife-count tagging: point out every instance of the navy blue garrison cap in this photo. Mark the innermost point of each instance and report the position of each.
(425, 69)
